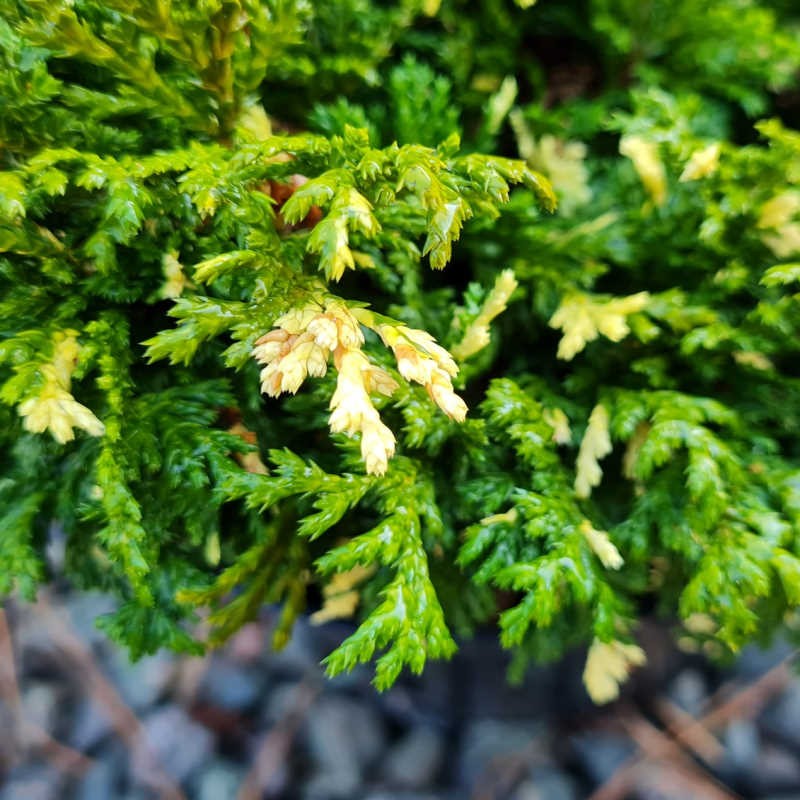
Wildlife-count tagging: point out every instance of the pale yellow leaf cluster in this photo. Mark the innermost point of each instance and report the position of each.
(563, 162)
(477, 335)
(596, 444)
(701, 164)
(583, 318)
(559, 422)
(341, 598)
(648, 166)
(754, 359)
(608, 665)
(175, 280)
(509, 517)
(54, 408)
(601, 545)
(781, 228)
(421, 360)
(307, 337)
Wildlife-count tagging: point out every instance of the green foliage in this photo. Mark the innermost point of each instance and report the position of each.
(205, 203)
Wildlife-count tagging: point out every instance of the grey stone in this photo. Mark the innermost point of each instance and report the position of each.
(344, 734)
(32, 784)
(279, 702)
(341, 783)
(754, 661)
(40, 704)
(487, 741)
(414, 761)
(90, 726)
(100, 781)
(298, 657)
(790, 796)
(689, 691)
(56, 548)
(218, 781)
(777, 770)
(546, 784)
(426, 699)
(344, 737)
(780, 719)
(177, 743)
(230, 686)
(82, 610)
(601, 753)
(384, 795)
(142, 683)
(742, 744)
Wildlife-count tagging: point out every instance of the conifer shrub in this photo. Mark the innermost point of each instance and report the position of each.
(429, 314)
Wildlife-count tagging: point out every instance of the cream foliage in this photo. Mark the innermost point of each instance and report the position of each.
(782, 230)
(601, 545)
(305, 339)
(563, 162)
(608, 665)
(701, 164)
(421, 360)
(352, 411)
(54, 409)
(477, 335)
(341, 597)
(596, 444)
(648, 166)
(583, 318)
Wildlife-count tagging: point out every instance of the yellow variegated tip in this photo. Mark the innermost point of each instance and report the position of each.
(646, 162)
(583, 318)
(477, 335)
(352, 412)
(607, 667)
(596, 444)
(601, 545)
(701, 164)
(782, 234)
(56, 410)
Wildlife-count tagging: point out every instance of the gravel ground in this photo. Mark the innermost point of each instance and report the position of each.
(78, 721)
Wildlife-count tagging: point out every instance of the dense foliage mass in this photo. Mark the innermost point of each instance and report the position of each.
(245, 361)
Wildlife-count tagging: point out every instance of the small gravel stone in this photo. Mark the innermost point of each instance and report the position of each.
(414, 761)
(280, 701)
(382, 795)
(298, 657)
(83, 609)
(90, 726)
(102, 778)
(142, 683)
(689, 691)
(488, 740)
(342, 732)
(231, 686)
(41, 701)
(742, 744)
(601, 753)
(782, 718)
(778, 770)
(178, 744)
(218, 781)
(341, 783)
(546, 784)
(344, 737)
(32, 783)
(754, 661)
